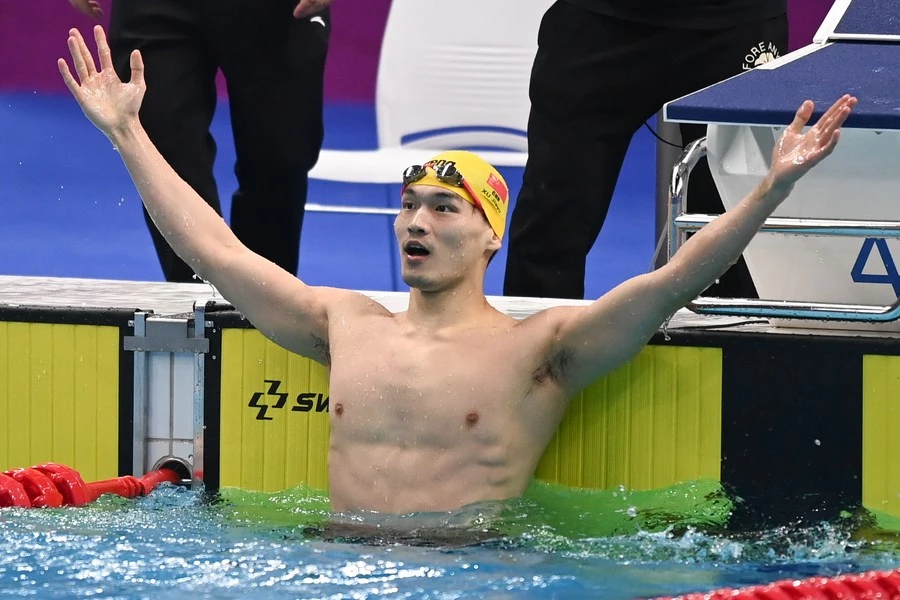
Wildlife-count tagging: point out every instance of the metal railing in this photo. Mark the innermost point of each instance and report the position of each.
(349, 209)
(682, 223)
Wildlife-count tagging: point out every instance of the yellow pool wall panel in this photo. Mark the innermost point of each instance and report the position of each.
(287, 447)
(881, 434)
(653, 422)
(59, 396)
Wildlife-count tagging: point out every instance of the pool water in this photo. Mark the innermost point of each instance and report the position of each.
(557, 544)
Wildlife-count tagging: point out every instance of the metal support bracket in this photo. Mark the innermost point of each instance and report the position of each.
(168, 335)
(168, 380)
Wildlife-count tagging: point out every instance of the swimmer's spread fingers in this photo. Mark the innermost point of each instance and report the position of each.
(86, 57)
(77, 60)
(84, 64)
(67, 77)
(801, 117)
(103, 50)
(835, 116)
(64, 70)
(137, 68)
(822, 137)
(828, 129)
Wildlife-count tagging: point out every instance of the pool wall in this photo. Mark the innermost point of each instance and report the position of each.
(795, 424)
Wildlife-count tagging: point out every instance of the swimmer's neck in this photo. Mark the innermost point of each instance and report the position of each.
(457, 307)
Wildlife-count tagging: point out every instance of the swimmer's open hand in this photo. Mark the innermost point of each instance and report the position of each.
(107, 101)
(797, 152)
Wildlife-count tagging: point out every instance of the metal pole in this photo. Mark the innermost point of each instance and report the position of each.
(666, 158)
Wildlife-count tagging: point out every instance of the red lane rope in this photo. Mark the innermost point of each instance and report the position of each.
(53, 485)
(872, 585)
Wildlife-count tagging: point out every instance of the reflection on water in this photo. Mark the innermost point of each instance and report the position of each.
(553, 543)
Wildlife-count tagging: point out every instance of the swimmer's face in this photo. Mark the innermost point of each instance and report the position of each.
(442, 237)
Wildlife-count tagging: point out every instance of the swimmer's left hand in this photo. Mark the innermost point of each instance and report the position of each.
(307, 8)
(797, 152)
(109, 103)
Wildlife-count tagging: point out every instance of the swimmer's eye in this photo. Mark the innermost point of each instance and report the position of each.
(407, 205)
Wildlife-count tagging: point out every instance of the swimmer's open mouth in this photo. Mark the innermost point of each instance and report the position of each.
(415, 249)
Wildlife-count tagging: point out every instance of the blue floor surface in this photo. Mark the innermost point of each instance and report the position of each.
(68, 207)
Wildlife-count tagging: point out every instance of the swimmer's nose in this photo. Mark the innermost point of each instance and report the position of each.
(417, 223)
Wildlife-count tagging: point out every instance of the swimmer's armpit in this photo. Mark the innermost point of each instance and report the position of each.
(556, 367)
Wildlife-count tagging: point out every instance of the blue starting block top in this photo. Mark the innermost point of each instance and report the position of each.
(850, 62)
(865, 19)
(771, 95)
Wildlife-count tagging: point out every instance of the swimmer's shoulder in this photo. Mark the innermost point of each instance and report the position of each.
(351, 303)
(541, 331)
(549, 320)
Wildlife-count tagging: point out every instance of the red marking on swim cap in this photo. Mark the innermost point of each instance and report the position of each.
(496, 183)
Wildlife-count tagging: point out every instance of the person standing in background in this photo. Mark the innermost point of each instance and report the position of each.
(272, 55)
(602, 69)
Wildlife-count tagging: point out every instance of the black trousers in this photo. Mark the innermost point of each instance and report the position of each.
(274, 67)
(594, 82)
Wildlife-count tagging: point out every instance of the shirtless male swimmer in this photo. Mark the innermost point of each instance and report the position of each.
(451, 402)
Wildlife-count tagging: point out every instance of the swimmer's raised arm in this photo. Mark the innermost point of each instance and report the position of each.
(598, 338)
(277, 303)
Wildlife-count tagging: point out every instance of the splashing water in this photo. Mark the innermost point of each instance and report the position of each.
(556, 542)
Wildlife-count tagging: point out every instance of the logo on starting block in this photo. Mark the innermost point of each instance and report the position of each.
(890, 275)
(304, 402)
(760, 54)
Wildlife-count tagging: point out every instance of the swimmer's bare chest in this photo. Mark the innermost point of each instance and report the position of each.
(434, 421)
(412, 391)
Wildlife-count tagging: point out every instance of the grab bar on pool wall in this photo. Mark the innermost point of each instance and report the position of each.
(681, 223)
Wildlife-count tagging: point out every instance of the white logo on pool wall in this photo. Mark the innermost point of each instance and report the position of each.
(275, 400)
(760, 54)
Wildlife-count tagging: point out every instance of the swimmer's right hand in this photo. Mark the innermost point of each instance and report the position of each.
(109, 103)
(91, 8)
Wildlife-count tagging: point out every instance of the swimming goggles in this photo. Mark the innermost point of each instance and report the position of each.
(445, 171)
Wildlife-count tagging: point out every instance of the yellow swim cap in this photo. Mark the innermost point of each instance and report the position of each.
(480, 183)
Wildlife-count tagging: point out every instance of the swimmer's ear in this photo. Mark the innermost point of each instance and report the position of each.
(496, 243)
